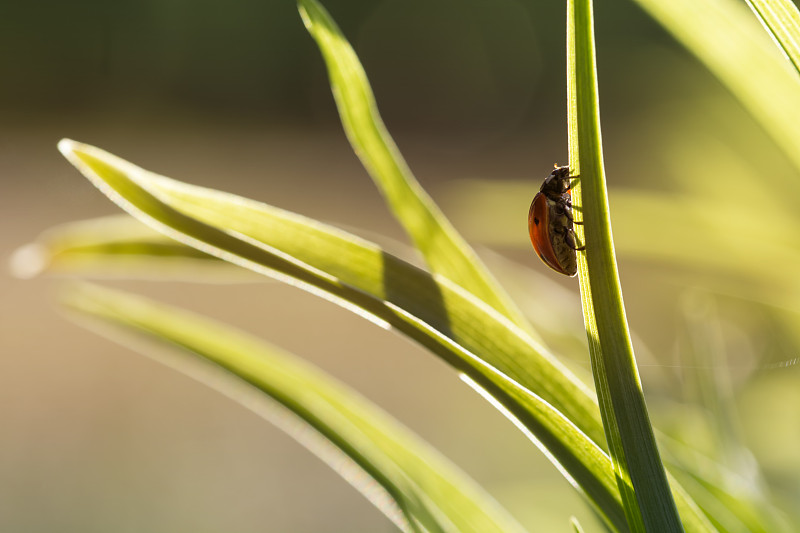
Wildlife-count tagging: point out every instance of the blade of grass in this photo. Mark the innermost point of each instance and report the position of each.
(120, 246)
(732, 499)
(781, 19)
(642, 480)
(470, 335)
(92, 248)
(725, 37)
(444, 250)
(754, 514)
(432, 494)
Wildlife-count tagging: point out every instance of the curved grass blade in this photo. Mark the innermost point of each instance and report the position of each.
(782, 20)
(431, 493)
(734, 501)
(642, 480)
(120, 246)
(548, 400)
(444, 250)
(725, 37)
(576, 526)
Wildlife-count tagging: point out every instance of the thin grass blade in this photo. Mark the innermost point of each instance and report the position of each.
(120, 246)
(781, 19)
(444, 250)
(498, 357)
(430, 493)
(727, 39)
(734, 504)
(576, 526)
(642, 480)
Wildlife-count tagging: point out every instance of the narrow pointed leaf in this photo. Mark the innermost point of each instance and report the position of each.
(445, 251)
(735, 499)
(728, 40)
(782, 20)
(430, 493)
(576, 526)
(730, 512)
(120, 246)
(553, 406)
(642, 480)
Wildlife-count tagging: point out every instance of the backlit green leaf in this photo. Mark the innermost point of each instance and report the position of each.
(430, 493)
(445, 251)
(120, 246)
(782, 20)
(642, 480)
(493, 354)
(726, 38)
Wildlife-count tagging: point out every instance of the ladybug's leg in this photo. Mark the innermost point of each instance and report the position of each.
(568, 214)
(569, 238)
(566, 210)
(567, 200)
(577, 176)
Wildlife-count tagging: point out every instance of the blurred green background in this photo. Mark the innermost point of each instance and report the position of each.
(235, 96)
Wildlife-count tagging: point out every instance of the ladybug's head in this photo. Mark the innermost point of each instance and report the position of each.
(557, 182)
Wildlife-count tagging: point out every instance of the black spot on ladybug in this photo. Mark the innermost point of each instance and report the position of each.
(536, 221)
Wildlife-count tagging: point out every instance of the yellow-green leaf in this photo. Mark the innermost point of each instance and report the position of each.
(120, 246)
(430, 494)
(495, 355)
(642, 480)
(782, 20)
(445, 251)
(726, 38)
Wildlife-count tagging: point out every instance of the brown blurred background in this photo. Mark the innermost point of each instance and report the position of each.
(94, 437)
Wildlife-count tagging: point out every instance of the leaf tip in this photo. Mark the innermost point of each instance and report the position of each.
(66, 147)
(302, 8)
(28, 261)
(576, 526)
(72, 151)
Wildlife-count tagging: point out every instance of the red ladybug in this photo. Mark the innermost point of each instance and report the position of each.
(550, 223)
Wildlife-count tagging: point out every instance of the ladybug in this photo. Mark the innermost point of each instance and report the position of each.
(550, 223)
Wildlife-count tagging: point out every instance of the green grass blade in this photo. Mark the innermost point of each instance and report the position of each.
(445, 251)
(642, 480)
(432, 494)
(576, 526)
(734, 501)
(726, 38)
(120, 246)
(548, 401)
(782, 20)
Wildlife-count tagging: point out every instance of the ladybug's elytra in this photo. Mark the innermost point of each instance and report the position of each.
(550, 223)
